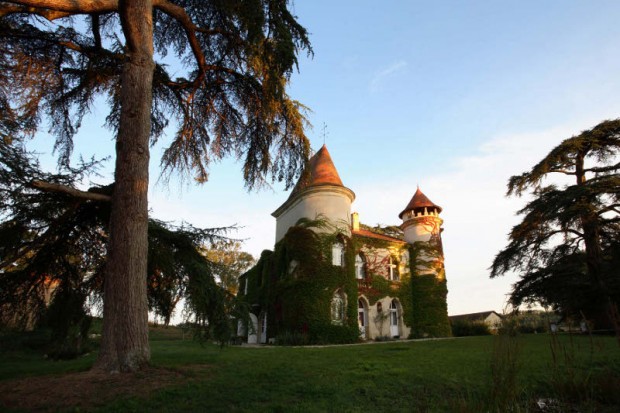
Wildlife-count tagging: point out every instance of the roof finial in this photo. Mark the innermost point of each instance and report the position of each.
(324, 130)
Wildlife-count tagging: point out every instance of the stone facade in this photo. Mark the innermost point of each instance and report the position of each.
(332, 279)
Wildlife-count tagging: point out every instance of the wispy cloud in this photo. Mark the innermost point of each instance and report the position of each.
(477, 215)
(380, 77)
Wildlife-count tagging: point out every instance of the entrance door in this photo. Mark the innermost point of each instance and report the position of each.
(394, 320)
(252, 334)
(362, 318)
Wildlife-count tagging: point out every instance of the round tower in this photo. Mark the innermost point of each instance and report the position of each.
(421, 223)
(319, 192)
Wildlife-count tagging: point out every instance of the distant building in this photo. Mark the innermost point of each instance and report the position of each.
(332, 279)
(492, 319)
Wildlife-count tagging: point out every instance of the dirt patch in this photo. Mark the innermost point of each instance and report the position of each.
(85, 389)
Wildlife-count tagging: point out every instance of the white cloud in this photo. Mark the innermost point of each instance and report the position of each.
(380, 77)
(477, 215)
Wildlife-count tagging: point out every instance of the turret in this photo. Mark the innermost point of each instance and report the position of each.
(421, 222)
(319, 192)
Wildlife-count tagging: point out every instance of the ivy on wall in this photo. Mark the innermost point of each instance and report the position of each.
(295, 284)
(376, 285)
(429, 292)
(297, 297)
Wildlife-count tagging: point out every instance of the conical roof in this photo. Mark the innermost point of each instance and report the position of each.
(419, 200)
(319, 171)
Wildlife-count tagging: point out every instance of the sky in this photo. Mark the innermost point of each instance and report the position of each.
(453, 96)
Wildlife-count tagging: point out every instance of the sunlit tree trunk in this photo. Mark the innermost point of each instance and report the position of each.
(124, 345)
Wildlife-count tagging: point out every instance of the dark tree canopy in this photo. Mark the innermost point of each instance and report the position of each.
(565, 249)
(53, 247)
(228, 98)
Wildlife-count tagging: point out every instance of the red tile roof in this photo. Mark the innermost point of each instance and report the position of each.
(370, 234)
(419, 200)
(319, 171)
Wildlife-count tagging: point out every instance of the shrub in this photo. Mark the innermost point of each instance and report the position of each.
(462, 328)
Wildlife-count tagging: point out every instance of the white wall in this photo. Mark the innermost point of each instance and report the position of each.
(333, 203)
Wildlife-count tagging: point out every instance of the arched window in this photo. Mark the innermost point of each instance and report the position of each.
(360, 272)
(337, 308)
(394, 330)
(362, 317)
(292, 266)
(393, 269)
(338, 254)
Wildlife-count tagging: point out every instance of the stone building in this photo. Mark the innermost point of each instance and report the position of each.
(331, 278)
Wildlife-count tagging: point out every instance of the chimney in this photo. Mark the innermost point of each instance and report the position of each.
(355, 221)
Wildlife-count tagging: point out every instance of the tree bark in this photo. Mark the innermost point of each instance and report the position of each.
(125, 345)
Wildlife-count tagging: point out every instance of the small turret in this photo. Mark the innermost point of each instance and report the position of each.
(421, 221)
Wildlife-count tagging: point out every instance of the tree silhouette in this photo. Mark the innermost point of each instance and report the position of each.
(230, 99)
(566, 247)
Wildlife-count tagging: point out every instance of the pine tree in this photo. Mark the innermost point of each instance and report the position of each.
(53, 248)
(566, 247)
(57, 56)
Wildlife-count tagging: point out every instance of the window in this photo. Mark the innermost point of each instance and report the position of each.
(245, 288)
(359, 267)
(292, 266)
(393, 270)
(337, 308)
(338, 254)
(394, 330)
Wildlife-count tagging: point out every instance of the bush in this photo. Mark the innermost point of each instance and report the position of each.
(332, 334)
(462, 328)
(292, 338)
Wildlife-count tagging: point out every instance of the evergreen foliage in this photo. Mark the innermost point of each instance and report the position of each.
(53, 251)
(464, 328)
(227, 97)
(566, 247)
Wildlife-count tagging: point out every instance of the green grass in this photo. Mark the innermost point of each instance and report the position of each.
(446, 375)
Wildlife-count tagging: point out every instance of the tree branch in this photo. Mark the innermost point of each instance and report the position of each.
(609, 208)
(69, 7)
(6, 9)
(180, 15)
(604, 168)
(562, 171)
(50, 187)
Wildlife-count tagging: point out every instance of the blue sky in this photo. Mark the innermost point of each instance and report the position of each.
(455, 96)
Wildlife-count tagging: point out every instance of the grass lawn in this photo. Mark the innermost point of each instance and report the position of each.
(442, 375)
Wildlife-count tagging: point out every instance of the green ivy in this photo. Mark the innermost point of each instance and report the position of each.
(298, 303)
(429, 293)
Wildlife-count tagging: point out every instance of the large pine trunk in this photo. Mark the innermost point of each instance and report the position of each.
(125, 345)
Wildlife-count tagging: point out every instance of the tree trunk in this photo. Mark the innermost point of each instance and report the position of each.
(594, 254)
(125, 345)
